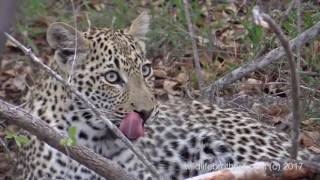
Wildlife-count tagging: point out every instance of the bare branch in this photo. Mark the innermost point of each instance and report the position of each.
(196, 60)
(274, 170)
(267, 22)
(265, 60)
(88, 103)
(44, 132)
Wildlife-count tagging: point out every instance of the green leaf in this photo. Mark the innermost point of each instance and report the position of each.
(63, 141)
(72, 131)
(9, 134)
(22, 139)
(71, 139)
(19, 139)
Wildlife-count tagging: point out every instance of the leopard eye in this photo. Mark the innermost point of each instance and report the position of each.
(146, 70)
(67, 52)
(112, 77)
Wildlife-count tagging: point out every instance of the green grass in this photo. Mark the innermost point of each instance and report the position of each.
(33, 8)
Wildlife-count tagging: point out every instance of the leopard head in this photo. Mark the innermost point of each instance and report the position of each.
(109, 67)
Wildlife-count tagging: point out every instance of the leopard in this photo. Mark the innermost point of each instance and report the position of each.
(110, 68)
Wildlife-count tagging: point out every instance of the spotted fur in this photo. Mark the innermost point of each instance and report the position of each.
(182, 137)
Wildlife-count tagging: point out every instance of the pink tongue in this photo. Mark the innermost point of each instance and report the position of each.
(131, 126)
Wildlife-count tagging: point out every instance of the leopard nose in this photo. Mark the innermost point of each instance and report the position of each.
(145, 114)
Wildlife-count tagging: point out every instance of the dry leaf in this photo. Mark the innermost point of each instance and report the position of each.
(277, 114)
(159, 73)
(168, 86)
(272, 110)
(310, 140)
(315, 135)
(231, 7)
(314, 149)
(97, 5)
(10, 44)
(160, 92)
(10, 72)
(182, 78)
(251, 86)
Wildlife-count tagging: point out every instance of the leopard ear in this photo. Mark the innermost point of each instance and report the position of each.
(62, 36)
(140, 26)
(66, 40)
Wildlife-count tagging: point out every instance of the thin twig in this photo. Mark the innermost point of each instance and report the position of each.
(309, 73)
(299, 25)
(88, 103)
(76, 42)
(194, 47)
(296, 122)
(89, 22)
(267, 22)
(102, 166)
(310, 89)
(73, 62)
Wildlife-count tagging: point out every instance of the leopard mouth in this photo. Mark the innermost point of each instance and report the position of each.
(132, 126)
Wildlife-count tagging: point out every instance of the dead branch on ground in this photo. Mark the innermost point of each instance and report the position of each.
(265, 60)
(46, 133)
(87, 103)
(266, 21)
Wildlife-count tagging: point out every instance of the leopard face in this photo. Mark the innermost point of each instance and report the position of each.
(108, 67)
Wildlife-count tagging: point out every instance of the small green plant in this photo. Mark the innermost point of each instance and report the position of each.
(19, 139)
(289, 25)
(34, 8)
(254, 32)
(71, 139)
